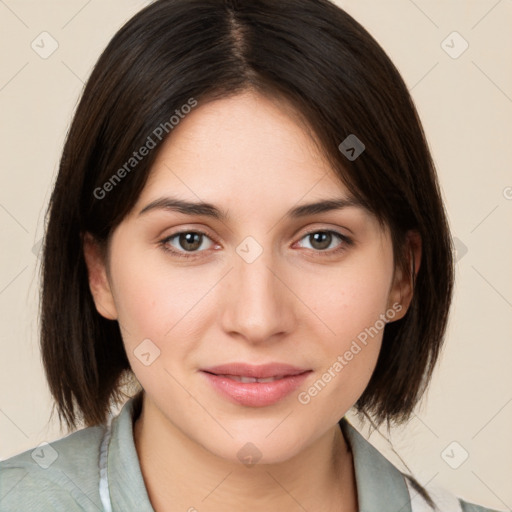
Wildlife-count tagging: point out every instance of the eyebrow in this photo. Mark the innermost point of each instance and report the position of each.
(210, 210)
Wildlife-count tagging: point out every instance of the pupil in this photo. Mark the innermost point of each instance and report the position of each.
(190, 241)
(321, 240)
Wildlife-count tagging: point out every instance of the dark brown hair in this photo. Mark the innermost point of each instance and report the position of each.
(336, 76)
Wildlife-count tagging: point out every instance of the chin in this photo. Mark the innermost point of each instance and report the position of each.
(256, 446)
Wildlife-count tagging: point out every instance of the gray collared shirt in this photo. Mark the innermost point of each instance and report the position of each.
(66, 475)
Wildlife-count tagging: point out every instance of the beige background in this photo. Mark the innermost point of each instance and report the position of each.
(466, 107)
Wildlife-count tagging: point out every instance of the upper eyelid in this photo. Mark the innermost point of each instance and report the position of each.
(326, 230)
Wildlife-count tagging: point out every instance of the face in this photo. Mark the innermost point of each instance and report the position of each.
(252, 278)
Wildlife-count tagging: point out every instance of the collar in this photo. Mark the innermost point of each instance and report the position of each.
(380, 486)
(126, 484)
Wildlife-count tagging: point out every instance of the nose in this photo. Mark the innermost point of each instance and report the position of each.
(257, 304)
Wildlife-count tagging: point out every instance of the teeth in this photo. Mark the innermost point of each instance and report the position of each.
(246, 379)
(269, 379)
(243, 379)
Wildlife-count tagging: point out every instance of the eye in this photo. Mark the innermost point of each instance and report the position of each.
(323, 240)
(186, 242)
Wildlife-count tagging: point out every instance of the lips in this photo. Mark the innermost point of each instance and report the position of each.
(265, 371)
(255, 386)
(247, 380)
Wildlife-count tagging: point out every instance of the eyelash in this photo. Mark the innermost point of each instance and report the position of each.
(347, 242)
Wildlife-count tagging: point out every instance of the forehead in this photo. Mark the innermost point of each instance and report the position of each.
(244, 145)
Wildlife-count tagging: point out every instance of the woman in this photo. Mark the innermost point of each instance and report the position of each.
(247, 228)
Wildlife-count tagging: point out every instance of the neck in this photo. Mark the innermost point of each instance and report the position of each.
(181, 474)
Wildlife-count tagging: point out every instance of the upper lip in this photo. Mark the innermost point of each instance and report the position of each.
(256, 371)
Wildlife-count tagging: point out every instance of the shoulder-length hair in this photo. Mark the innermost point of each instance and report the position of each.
(315, 57)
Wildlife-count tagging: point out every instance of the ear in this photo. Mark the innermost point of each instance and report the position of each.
(98, 278)
(402, 288)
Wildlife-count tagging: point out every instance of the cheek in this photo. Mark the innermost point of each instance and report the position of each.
(350, 303)
(350, 297)
(152, 308)
(152, 296)
(162, 304)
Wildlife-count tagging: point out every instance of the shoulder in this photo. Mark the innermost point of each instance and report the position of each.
(379, 481)
(470, 507)
(60, 476)
(442, 499)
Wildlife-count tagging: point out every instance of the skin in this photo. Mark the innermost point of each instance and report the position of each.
(295, 303)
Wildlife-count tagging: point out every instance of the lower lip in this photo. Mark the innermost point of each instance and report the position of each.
(256, 394)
